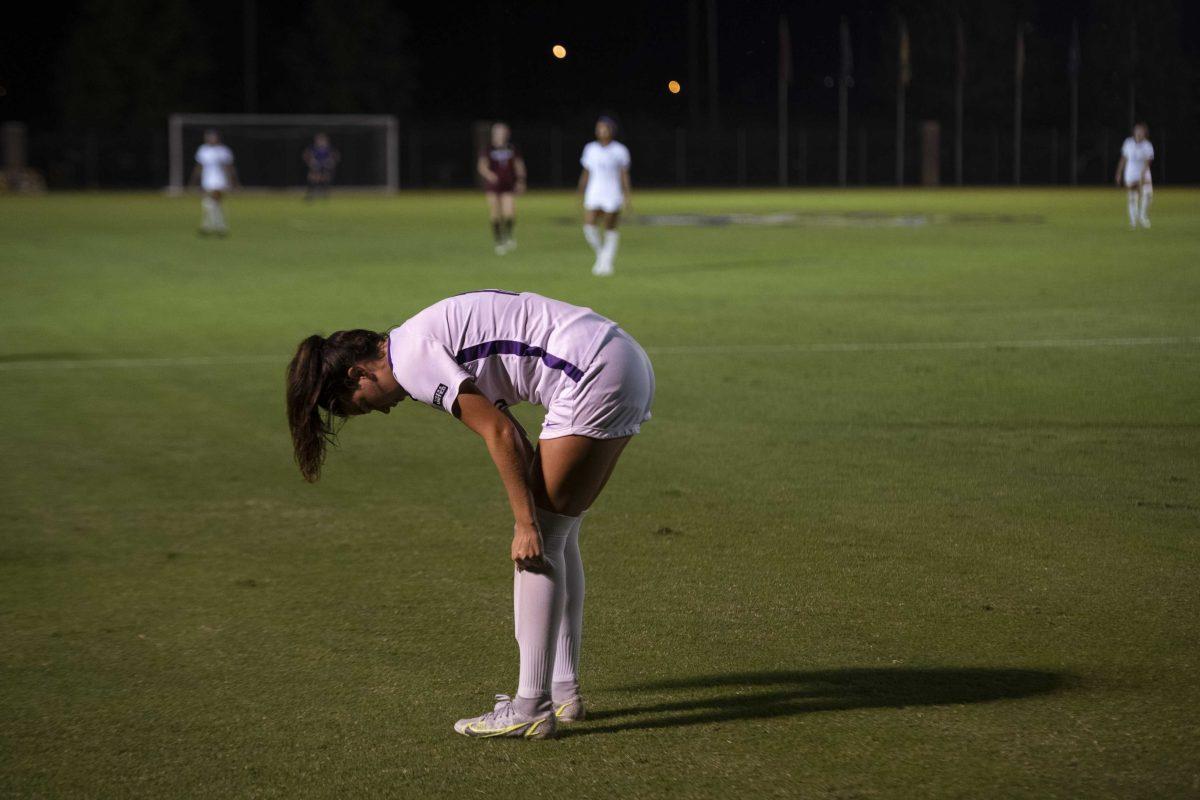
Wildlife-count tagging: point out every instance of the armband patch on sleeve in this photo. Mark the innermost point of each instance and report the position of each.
(439, 394)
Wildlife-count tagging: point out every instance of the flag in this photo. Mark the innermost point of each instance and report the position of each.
(847, 55)
(1073, 51)
(905, 63)
(785, 51)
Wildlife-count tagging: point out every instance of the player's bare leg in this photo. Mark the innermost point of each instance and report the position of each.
(493, 201)
(508, 219)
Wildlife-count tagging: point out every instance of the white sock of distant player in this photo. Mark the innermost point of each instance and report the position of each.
(608, 251)
(570, 630)
(1133, 207)
(219, 216)
(207, 205)
(592, 234)
(1147, 194)
(537, 610)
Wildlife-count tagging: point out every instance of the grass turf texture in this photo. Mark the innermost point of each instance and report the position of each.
(938, 573)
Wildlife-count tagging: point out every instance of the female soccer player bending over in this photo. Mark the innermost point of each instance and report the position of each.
(473, 356)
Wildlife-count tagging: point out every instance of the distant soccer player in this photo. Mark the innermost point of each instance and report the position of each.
(215, 172)
(322, 160)
(503, 172)
(605, 186)
(1133, 171)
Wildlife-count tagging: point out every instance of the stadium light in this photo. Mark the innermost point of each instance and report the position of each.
(559, 51)
(673, 87)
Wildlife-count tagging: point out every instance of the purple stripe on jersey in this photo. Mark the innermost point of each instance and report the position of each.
(488, 291)
(505, 347)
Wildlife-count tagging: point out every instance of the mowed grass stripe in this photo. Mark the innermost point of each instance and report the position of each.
(832, 347)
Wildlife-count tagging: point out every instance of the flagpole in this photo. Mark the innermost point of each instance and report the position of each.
(960, 78)
(785, 76)
(1020, 79)
(843, 99)
(1133, 57)
(902, 77)
(1073, 71)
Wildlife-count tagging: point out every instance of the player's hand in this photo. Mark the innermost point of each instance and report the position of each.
(527, 548)
(520, 187)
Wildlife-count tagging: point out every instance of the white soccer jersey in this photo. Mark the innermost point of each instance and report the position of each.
(1138, 156)
(516, 347)
(213, 160)
(604, 164)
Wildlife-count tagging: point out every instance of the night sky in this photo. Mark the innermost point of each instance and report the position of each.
(119, 67)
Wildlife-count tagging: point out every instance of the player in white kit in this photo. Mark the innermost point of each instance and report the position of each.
(1133, 172)
(473, 356)
(215, 173)
(604, 183)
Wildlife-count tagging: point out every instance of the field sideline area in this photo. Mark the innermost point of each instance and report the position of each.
(917, 514)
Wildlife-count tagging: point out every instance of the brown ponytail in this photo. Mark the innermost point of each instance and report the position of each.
(318, 381)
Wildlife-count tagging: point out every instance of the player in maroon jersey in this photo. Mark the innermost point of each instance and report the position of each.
(503, 172)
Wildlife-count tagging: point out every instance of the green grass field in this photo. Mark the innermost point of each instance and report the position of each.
(917, 515)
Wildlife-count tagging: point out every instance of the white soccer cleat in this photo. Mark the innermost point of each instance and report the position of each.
(600, 268)
(501, 250)
(505, 721)
(1145, 222)
(570, 711)
(510, 245)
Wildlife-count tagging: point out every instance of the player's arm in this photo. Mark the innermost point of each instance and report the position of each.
(626, 188)
(481, 166)
(512, 454)
(1120, 170)
(231, 175)
(519, 168)
(195, 179)
(583, 180)
(1146, 170)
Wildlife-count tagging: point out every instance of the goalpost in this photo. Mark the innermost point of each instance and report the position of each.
(268, 148)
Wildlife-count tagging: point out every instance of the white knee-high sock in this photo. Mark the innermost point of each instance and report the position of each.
(219, 216)
(537, 609)
(608, 251)
(592, 234)
(1147, 194)
(207, 206)
(1133, 206)
(570, 629)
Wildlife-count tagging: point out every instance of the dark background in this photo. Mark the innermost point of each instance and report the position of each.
(95, 80)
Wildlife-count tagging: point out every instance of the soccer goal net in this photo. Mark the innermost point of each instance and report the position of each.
(268, 149)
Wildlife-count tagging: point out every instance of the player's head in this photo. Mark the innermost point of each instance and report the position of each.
(606, 129)
(321, 140)
(327, 382)
(500, 134)
(1140, 131)
(212, 136)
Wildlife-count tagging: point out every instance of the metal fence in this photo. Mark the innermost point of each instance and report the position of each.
(443, 156)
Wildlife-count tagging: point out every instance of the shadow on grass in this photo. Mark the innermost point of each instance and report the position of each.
(764, 695)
